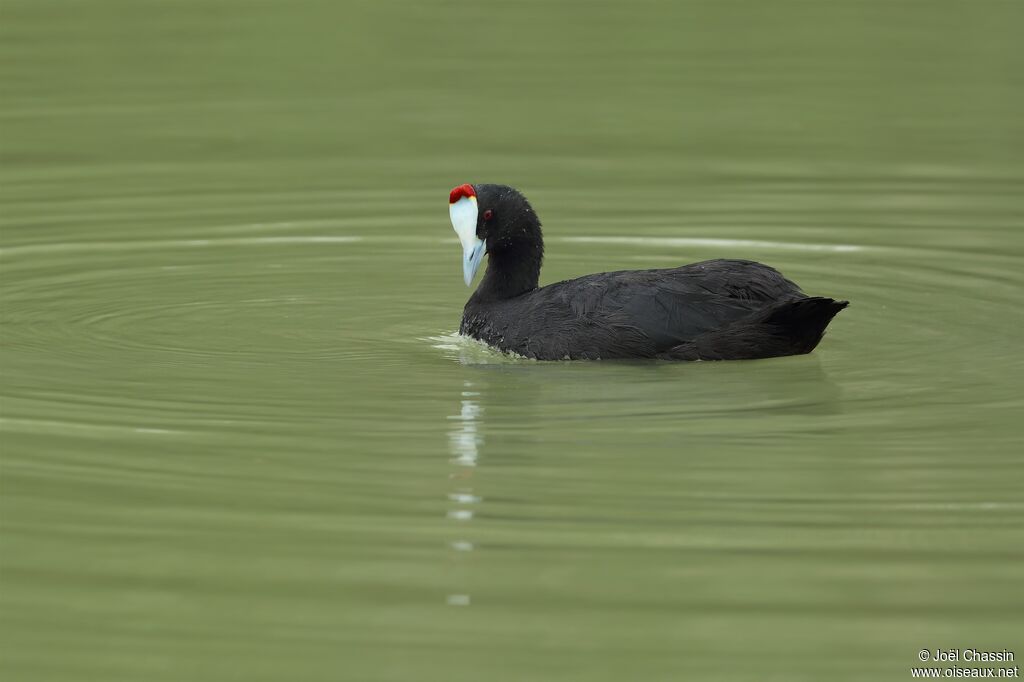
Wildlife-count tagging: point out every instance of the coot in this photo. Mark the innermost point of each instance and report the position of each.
(714, 310)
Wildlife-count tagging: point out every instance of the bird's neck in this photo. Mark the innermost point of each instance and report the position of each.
(512, 270)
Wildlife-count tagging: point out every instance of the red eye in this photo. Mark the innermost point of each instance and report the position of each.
(488, 214)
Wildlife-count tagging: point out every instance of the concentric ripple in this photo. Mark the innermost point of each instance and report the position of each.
(303, 377)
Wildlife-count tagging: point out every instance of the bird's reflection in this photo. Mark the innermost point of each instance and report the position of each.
(520, 406)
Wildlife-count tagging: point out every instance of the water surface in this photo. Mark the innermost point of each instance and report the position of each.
(241, 439)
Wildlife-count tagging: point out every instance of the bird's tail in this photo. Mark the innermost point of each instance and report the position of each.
(790, 328)
(804, 320)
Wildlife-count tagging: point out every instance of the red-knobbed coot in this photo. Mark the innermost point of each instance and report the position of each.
(714, 310)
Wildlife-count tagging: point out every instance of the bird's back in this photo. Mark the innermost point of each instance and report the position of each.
(628, 314)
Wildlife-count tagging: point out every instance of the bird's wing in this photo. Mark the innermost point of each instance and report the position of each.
(742, 280)
(635, 313)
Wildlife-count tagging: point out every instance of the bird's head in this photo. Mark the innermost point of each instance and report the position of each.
(493, 219)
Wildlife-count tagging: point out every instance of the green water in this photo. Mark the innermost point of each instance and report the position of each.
(242, 441)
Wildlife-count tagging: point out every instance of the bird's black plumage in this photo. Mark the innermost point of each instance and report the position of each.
(713, 310)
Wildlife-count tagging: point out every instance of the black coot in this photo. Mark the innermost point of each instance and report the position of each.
(714, 310)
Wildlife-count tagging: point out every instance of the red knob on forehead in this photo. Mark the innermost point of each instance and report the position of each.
(461, 191)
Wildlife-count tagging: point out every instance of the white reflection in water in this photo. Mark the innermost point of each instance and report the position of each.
(684, 242)
(464, 441)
